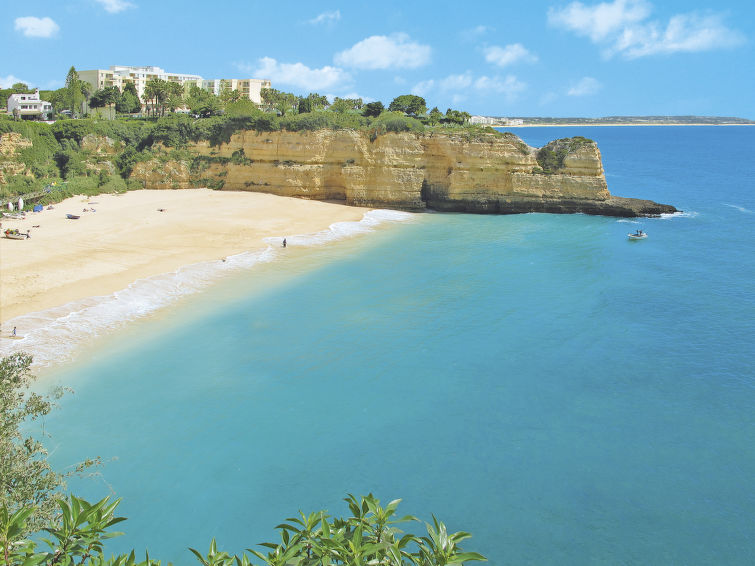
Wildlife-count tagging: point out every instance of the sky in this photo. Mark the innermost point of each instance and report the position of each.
(494, 58)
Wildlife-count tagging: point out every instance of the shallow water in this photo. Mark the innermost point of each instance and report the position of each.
(566, 395)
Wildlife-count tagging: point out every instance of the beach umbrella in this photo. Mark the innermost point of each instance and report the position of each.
(20, 203)
(10, 206)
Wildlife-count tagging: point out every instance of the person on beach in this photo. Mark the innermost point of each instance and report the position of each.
(284, 242)
(14, 331)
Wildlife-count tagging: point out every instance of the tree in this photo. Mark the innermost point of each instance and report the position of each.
(274, 100)
(227, 95)
(86, 92)
(129, 102)
(435, 116)
(202, 102)
(342, 105)
(74, 95)
(243, 107)
(175, 96)
(26, 478)
(162, 93)
(312, 103)
(409, 104)
(104, 97)
(373, 109)
(19, 87)
(456, 117)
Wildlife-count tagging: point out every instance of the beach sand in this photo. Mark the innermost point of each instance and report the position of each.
(128, 238)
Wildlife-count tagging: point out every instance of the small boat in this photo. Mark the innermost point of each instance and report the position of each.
(15, 235)
(73, 216)
(637, 235)
(14, 215)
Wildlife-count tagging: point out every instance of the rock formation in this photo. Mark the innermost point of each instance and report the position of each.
(479, 173)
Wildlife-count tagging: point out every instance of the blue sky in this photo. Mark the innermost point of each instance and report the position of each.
(505, 58)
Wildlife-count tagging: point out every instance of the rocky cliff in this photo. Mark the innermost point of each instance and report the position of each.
(484, 173)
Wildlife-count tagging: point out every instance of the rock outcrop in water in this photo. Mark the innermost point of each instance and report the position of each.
(482, 174)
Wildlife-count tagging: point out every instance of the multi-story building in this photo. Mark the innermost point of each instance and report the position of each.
(120, 75)
(29, 106)
(249, 88)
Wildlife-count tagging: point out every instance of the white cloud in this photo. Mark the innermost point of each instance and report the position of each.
(509, 86)
(298, 74)
(684, 33)
(10, 80)
(622, 27)
(503, 56)
(475, 32)
(31, 26)
(459, 86)
(326, 18)
(601, 20)
(395, 51)
(115, 6)
(422, 88)
(584, 87)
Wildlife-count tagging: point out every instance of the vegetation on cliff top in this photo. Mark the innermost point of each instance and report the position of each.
(68, 150)
(32, 502)
(551, 157)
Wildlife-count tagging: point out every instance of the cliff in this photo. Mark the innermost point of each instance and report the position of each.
(485, 173)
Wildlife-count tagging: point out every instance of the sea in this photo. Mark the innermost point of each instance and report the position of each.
(566, 395)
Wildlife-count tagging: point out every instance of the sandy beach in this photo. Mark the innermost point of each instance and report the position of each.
(123, 238)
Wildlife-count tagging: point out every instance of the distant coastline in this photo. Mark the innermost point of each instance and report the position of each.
(558, 125)
(530, 121)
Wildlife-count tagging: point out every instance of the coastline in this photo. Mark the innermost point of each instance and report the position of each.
(75, 278)
(623, 124)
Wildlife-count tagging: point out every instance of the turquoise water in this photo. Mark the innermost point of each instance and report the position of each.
(566, 395)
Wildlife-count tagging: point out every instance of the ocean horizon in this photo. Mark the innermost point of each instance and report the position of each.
(566, 395)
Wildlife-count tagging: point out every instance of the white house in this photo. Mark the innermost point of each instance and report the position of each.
(29, 106)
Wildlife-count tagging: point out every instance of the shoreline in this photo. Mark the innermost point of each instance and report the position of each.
(622, 124)
(74, 279)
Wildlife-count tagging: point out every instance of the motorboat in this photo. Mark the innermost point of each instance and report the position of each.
(637, 235)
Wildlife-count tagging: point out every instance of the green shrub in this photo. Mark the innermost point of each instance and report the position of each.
(551, 157)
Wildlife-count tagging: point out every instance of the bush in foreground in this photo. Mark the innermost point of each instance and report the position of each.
(368, 536)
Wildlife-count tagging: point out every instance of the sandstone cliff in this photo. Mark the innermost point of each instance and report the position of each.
(481, 174)
(11, 145)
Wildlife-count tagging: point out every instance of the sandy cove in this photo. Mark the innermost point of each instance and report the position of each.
(128, 237)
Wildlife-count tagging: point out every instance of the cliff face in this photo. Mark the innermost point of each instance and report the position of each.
(485, 174)
(11, 144)
(480, 173)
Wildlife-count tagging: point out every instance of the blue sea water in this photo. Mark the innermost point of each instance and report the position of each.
(566, 395)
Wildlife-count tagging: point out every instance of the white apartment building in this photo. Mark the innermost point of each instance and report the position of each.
(120, 75)
(29, 105)
(249, 88)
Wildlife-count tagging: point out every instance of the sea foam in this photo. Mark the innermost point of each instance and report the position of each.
(739, 208)
(54, 335)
